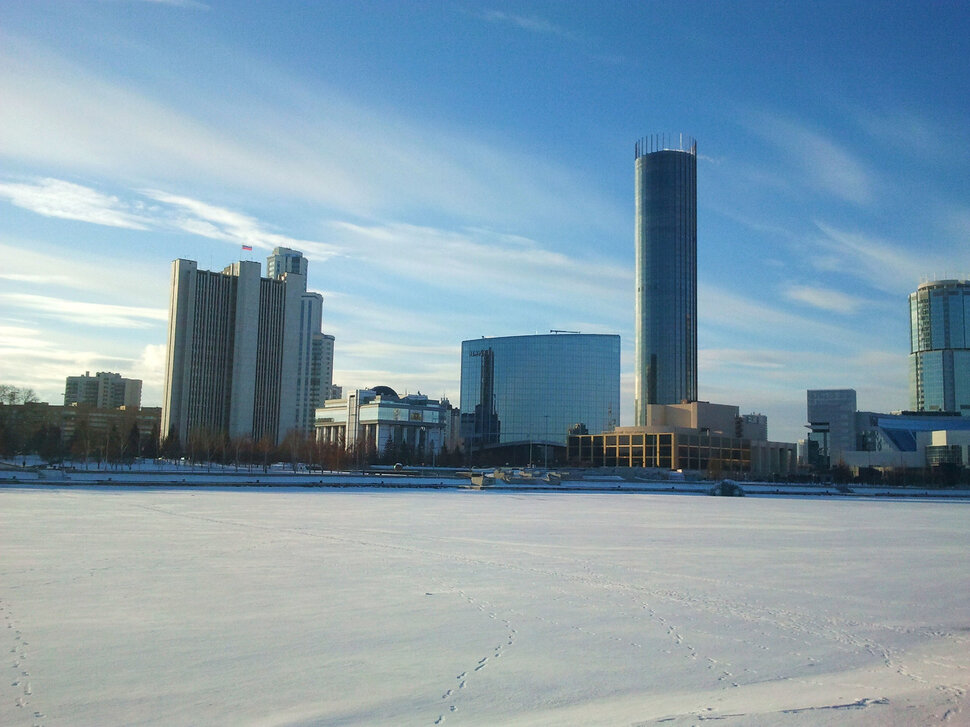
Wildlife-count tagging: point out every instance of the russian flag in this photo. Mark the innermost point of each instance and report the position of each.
(249, 248)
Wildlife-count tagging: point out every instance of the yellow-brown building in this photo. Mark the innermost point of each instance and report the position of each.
(699, 436)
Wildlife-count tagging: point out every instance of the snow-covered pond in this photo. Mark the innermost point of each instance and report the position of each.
(320, 607)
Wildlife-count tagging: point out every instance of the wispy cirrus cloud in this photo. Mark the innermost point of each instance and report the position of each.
(826, 299)
(723, 311)
(545, 27)
(305, 142)
(220, 223)
(884, 265)
(66, 200)
(192, 4)
(512, 267)
(823, 164)
(531, 23)
(90, 314)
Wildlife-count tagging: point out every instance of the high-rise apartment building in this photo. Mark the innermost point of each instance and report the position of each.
(104, 390)
(939, 325)
(665, 354)
(240, 349)
(284, 260)
(321, 375)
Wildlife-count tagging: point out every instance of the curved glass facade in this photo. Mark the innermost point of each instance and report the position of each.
(536, 388)
(939, 314)
(666, 278)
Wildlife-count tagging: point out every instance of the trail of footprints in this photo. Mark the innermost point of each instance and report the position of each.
(451, 695)
(18, 657)
(787, 626)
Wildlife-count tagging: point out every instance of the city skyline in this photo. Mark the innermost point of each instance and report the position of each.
(465, 171)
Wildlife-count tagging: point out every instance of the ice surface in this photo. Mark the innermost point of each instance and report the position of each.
(138, 606)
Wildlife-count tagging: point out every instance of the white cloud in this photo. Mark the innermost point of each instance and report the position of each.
(30, 357)
(882, 264)
(823, 164)
(219, 223)
(90, 314)
(533, 24)
(721, 311)
(35, 278)
(823, 298)
(57, 198)
(64, 270)
(505, 267)
(279, 136)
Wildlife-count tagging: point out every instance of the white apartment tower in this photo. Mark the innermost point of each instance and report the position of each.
(104, 390)
(240, 349)
(308, 376)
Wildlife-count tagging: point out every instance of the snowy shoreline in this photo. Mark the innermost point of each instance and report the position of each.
(351, 481)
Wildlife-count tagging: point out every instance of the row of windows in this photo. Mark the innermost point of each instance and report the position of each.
(664, 450)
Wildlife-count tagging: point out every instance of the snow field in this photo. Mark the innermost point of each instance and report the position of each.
(315, 607)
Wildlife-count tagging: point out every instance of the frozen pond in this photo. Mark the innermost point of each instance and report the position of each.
(320, 607)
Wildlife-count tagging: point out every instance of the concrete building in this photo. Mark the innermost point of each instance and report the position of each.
(531, 390)
(378, 420)
(665, 355)
(939, 314)
(314, 360)
(104, 390)
(321, 376)
(839, 434)
(240, 353)
(695, 436)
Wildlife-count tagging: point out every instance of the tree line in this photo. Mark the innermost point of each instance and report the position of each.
(297, 450)
(25, 431)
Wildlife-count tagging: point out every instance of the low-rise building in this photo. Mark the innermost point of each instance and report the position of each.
(698, 436)
(379, 421)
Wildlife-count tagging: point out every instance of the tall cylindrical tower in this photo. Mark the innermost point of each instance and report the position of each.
(666, 274)
(939, 359)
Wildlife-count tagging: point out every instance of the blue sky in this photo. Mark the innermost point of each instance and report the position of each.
(454, 170)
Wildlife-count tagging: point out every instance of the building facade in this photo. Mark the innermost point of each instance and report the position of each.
(832, 425)
(239, 356)
(313, 376)
(696, 436)
(379, 421)
(104, 390)
(665, 355)
(939, 315)
(534, 389)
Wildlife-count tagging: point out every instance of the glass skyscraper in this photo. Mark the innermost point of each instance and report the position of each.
(518, 389)
(666, 274)
(939, 324)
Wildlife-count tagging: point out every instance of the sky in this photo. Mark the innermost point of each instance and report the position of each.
(458, 170)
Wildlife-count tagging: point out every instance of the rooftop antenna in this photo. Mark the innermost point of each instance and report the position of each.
(559, 330)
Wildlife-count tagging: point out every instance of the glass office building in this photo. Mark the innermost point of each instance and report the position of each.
(666, 274)
(940, 346)
(523, 389)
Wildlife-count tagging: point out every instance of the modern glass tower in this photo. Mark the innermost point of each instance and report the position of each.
(666, 274)
(536, 388)
(939, 359)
